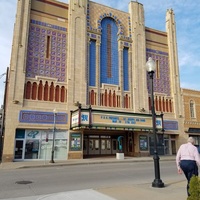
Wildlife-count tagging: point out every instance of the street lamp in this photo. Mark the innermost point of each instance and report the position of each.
(151, 67)
(54, 130)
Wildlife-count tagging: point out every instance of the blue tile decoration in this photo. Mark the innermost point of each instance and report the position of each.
(92, 64)
(115, 19)
(47, 25)
(39, 117)
(161, 85)
(125, 69)
(114, 79)
(36, 54)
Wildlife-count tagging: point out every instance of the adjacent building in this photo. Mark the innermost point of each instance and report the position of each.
(191, 103)
(78, 84)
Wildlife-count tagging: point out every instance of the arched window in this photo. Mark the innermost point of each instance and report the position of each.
(51, 95)
(92, 97)
(102, 100)
(160, 104)
(114, 99)
(28, 90)
(92, 63)
(125, 69)
(156, 103)
(170, 105)
(109, 66)
(46, 88)
(149, 103)
(106, 98)
(163, 104)
(167, 105)
(57, 93)
(34, 91)
(110, 99)
(62, 94)
(40, 88)
(126, 101)
(192, 109)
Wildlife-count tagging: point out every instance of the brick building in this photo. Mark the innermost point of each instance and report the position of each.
(191, 103)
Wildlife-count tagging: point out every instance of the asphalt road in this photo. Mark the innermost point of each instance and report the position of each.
(41, 181)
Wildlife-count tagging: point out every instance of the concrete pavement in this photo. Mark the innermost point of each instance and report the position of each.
(37, 163)
(172, 190)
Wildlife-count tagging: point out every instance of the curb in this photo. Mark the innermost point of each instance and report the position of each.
(85, 163)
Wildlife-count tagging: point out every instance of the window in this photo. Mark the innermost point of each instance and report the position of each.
(48, 47)
(192, 110)
(109, 66)
(157, 69)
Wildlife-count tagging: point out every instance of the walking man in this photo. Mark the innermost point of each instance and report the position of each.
(187, 159)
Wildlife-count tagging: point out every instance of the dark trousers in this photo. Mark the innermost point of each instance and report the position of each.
(189, 168)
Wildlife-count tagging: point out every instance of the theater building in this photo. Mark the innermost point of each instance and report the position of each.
(78, 83)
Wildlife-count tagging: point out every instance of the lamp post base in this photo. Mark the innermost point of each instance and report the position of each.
(51, 161)
(158, 183)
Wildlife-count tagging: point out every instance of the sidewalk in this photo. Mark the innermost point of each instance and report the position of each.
(30, 164)
(172, 190)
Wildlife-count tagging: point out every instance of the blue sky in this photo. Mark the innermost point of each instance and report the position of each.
(187, 28)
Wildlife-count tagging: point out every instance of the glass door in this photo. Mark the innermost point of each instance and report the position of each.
(114, 146)
(19, 144)
(93, 146)
(105, 146)
(166, 146)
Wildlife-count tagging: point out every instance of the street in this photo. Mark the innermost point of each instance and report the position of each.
(47, 180)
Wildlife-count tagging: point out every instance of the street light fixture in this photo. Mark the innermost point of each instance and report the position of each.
(54, 131)
(151, 68)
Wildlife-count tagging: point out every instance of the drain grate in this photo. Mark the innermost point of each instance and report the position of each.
(24, 182)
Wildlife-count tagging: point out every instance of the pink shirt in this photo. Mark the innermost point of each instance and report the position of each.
(187, 152)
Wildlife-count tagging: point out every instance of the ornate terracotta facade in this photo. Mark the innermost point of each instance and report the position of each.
(92, 56)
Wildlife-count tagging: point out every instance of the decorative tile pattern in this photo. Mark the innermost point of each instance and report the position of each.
(161, 85)
(26, 116)
(37, 62)
(97, 12)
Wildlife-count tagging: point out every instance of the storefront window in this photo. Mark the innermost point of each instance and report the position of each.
(38, 145)
(31, 149)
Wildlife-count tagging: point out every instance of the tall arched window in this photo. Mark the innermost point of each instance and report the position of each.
(109, 52)
(34, 91)
(57, 93)
(40, 90)
(62, 94)
(106, 98)
(92, 63)
(46, 91)
(28, 90)
(114, 99)
(92, 97)
(192, 109)
(51, 95)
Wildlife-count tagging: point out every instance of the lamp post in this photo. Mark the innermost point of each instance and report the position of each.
(54, 130)
(151, 67)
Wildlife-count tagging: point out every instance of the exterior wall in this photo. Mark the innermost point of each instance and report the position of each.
(28, 65)
(191, 123)
(58, 48)
(16, 77)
